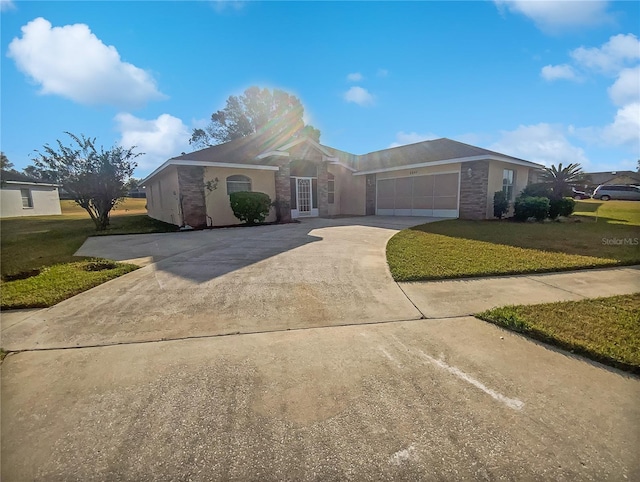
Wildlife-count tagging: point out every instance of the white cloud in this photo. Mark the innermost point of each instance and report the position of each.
(543, 143)
(6, 5)
(160, 139)
(355, 77)
(556, 72)
(626, 88)
(625, 128)
(222, 5)
(382, 73)
(555, 16)
(72, 62)
(618, 51)
(358, 95)
(403, 138)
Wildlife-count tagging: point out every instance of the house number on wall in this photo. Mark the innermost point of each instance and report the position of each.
(413, 173)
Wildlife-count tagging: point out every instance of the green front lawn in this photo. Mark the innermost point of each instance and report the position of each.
(603, 329)
(460, 248)
(44, 246)
(56, 283)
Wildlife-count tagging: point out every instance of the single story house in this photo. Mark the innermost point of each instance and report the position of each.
(22, 195)
(441, 178)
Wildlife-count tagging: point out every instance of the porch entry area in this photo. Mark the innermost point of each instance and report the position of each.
(304, 197)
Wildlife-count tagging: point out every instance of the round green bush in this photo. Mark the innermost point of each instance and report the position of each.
(250, 207)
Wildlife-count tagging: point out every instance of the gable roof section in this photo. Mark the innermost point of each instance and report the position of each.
(435, 152)
(606, 177)
(244, 150)
(14, 177)
(283, 150)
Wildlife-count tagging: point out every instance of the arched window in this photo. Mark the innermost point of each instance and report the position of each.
(237, 183)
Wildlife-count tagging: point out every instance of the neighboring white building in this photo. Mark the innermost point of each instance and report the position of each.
(22, 195)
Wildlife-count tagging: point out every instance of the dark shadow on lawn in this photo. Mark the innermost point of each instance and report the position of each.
(587, 238)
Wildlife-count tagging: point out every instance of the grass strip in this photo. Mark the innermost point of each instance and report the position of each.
(606, 330)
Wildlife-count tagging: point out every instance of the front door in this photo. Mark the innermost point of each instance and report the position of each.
(304, 196)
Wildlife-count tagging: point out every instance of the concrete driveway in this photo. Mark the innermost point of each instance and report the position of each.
(126, 382)
(454, 399)
(243, 280)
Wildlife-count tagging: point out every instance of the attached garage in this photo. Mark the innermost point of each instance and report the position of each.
(427, 195)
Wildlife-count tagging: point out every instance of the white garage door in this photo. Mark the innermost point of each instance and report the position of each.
(431, 195)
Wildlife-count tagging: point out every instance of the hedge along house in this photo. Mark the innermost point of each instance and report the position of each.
(440, 178)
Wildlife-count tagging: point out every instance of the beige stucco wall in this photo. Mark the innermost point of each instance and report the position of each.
(46, 201)
(350, 197)
(496, 169)
(163, 201)
(217, 201)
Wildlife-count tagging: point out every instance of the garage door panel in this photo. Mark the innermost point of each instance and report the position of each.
(386, 203)
(404, 187)
(423, 185)
(428, 195)
(422, 202)
(446, 185)
(403, 202)
(445, 202)
(386, 188)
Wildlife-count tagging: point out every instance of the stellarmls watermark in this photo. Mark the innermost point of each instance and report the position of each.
(621, 241)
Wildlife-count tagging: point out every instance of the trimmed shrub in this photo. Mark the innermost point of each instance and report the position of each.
(539, 189)
(531, 207)
(500, 204)
(561, 207)
(250, 207)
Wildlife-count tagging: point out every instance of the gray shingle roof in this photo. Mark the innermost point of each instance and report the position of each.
(605, 177)
(427, 151)
(19, 177)
(238, 151)
(245, 151)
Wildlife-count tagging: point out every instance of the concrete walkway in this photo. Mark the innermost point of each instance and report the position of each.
(446, 299)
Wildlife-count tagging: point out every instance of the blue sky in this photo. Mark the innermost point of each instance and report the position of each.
(546, 81)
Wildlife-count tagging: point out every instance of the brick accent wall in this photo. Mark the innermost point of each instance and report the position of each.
(371, 195)
(323, 189)
(283, 191)
(473, 189)
(191, 185)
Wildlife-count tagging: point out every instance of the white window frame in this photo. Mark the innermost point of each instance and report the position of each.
(331, 189)
(28, 198)
(235, 183)
(508, 183)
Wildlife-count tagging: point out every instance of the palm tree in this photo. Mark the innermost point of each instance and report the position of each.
(562, 179)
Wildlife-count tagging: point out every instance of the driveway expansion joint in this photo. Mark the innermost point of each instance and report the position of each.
(216, 335)
(536, 279)
(422, 315)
